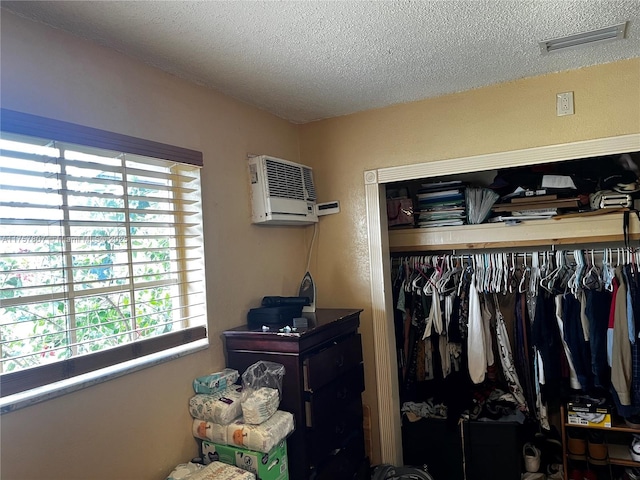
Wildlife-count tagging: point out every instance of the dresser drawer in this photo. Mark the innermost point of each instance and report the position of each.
(348, 463)
(338, 433)
(336, 396)
(328, 364)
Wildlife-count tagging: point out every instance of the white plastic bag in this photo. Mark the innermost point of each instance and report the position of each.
(261, 391)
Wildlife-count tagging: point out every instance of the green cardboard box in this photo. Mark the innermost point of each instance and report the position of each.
(266, 466)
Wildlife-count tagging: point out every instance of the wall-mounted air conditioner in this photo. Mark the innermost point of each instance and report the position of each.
(282, 192)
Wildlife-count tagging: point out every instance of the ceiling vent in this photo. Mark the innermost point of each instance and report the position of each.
(607, 34)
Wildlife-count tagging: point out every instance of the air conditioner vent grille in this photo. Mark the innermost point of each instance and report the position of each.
(308, 184)
(284, 180)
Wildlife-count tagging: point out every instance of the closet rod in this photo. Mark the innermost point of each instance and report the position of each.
(467, 253)
(462, 256)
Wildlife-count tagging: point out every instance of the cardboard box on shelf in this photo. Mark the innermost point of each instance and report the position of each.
(266, 466)
(586, 406)
(588, 412)
(589, 419)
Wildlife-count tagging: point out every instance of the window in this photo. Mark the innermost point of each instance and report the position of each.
(101, 252)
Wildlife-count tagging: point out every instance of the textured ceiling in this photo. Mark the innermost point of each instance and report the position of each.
(308, 60)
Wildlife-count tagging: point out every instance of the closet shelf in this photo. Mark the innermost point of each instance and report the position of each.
(619, 455)
(571, 230)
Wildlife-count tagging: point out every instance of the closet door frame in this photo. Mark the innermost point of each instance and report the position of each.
(375, 181)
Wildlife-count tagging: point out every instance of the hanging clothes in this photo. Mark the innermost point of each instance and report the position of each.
(476, 346)
(597, 309)
(483, 323)
(573, 376)
(632, 280)
(621, 366)
(506, 358)
(575, 340)
(546, 338)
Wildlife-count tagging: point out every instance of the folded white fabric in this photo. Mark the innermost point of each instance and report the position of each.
(216, 382)
(213, 432)
(259, 405)
(221, 471)
(263, 437)
(222, 407)
(184, 470)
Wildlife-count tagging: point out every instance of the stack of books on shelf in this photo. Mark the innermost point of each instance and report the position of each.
(441, 204)
(533, 207)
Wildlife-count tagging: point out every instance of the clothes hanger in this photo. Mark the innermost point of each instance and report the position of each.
(488, 262)
(430, 286)
(522, 287)
(607, 271)
(446, 278)
(575, 281)
(534, 277)
(477, 268)
(565, 272)
(592, 279)
(512, 270)
(506, 271)
(499, 273)
(549, 269)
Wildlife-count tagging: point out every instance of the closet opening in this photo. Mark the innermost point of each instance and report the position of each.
(481, 339)
(388, 246)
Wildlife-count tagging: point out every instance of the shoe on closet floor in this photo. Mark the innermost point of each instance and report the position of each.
(531, 455)
(634, 449)
(534, 476)
(589, 475)
(632, 473)
(633, 422)
(576, 475)
(555, 471)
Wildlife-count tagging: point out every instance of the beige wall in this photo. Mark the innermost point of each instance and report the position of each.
(499, 118)
(138, 427)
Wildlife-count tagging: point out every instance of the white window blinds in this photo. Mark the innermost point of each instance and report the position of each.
(101, 258)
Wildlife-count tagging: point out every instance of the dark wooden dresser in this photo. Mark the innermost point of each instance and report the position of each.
(322, 387)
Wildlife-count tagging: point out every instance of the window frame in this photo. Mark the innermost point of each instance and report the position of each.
(22, 381)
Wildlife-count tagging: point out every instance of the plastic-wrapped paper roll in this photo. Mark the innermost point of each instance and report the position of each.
(221, 471)
(263, 437)
(223, 407)
(259, 405)
(184, 471)
(216, 382)
(213, 432)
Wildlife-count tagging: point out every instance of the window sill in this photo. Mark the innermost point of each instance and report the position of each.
(31, 397)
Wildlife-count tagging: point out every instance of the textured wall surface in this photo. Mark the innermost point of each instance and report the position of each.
(137, 427)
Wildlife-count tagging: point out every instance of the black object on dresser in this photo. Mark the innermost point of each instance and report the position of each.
(322, 387)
